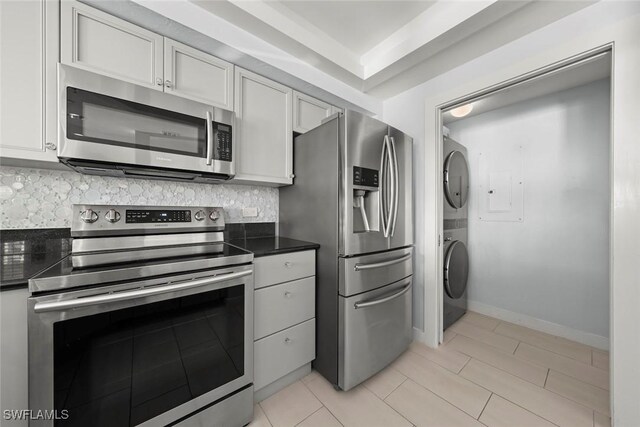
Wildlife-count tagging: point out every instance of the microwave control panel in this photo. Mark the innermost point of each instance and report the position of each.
(223, 146)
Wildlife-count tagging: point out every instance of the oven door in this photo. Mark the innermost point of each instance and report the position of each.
(108, 121)
(145, 353)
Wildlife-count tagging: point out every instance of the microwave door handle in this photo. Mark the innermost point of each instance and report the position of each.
(42, 307)
(209, 138)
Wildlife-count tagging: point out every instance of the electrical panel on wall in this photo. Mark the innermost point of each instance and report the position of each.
(501, 185)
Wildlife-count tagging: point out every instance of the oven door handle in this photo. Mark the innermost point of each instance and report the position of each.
(42, 307)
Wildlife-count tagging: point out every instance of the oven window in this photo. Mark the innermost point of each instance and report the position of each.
(107, 120)
(130, 365)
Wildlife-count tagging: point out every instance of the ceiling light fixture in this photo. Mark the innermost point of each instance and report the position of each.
(462, 110)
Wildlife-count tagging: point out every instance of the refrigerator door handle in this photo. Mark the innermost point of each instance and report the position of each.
(383, 193)
(369, 303)
(360, 267)
(392, 184)
(395, 187)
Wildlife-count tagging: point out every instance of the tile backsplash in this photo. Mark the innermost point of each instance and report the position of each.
(40, 198)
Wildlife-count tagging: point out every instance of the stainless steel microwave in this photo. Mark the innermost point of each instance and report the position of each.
(114, 128)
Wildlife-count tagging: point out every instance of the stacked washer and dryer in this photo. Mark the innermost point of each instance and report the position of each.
(456, 259)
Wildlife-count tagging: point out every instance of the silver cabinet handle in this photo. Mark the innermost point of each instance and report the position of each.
(167, 84)
(288, 264)
(369, 303)
(50, 146)
(42, 307)
(287, 340)
(159, 81)
(395, 187)
(209, 138)
(360, 267)
(287, 294)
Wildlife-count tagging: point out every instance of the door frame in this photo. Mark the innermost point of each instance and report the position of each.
(624, 240)
(540, 73)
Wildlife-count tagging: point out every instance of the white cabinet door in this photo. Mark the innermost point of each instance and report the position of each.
(308, 112)
(263, 130)
(29, 46)
(98, 42)
(193, 74)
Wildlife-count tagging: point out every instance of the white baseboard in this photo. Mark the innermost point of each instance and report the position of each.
(587, 338)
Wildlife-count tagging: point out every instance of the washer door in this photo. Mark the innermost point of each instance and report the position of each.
(456, 179)
(456, 269)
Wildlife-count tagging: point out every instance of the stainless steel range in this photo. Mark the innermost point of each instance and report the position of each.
(148, 322)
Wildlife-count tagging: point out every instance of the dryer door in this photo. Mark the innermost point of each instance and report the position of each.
(456, 270)
(456, 179)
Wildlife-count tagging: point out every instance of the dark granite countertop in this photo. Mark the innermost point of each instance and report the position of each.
(25, 253)
(272, 245)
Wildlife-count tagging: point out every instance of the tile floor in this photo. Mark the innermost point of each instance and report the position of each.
(487, 373)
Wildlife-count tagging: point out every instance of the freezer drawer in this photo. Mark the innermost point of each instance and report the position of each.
(281, 306)
(375, 328)
(367, 272)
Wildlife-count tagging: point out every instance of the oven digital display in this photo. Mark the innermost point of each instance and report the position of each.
(150, 216)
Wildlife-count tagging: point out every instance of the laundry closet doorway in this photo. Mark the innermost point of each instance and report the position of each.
(537, 223)
(516, 210)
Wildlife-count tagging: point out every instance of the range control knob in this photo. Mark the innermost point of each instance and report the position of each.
(199, 216)
(112, 215)
(89, 216)
(214, 215)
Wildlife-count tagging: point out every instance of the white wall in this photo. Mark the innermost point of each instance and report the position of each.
(553, 266)
(603, 23)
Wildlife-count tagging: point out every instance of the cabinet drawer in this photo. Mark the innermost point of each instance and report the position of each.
(278, 354)
(274, 269)
(281, 306)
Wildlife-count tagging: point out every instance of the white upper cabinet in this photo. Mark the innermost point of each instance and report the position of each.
(263, 129)
(28, 104)
(193, 74)
(99, 42)
(308, 112)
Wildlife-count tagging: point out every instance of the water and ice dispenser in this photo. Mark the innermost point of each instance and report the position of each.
(366, 202)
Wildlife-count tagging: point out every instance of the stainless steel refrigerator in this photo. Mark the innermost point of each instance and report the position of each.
(352, 194)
